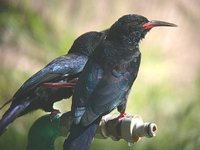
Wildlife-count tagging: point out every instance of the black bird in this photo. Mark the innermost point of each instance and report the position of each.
(107, 78)
(33, 94)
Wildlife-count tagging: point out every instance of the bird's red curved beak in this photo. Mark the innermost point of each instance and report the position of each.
(156, 23)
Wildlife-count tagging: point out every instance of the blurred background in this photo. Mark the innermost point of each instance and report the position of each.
(166, 92)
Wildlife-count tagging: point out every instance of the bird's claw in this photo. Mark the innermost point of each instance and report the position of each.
(54, 112)
(121, 116)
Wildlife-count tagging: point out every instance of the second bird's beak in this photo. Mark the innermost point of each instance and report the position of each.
(155, 23)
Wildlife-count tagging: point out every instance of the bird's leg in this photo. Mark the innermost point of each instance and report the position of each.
(121, 116)
(54, 112)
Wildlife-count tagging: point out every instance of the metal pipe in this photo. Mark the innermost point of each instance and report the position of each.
(46, 129)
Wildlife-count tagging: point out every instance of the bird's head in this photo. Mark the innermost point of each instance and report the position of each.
(132, 28)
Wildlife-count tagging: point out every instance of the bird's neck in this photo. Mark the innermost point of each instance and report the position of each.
(113, 53)
(129, 41)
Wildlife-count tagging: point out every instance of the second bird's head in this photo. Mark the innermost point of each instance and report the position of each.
(131, 28)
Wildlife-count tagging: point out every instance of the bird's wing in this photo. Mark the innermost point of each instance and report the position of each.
(107, 95)
(56, 70)
(98, 92)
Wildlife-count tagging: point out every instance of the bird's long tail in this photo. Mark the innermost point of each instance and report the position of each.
(81, 137)
(11, 114)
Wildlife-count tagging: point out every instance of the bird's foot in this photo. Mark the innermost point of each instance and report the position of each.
(54, 112)
(121, 116)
